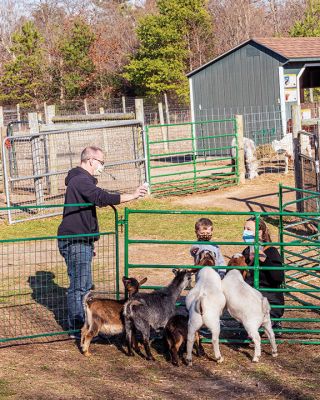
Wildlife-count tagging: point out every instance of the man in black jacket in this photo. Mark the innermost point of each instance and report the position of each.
(82, 224)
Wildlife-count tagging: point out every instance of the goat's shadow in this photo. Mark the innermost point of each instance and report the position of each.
(46, 292)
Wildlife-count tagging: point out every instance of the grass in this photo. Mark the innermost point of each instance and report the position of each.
(151, 226)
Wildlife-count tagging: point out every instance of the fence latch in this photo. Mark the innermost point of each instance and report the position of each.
(121, 223)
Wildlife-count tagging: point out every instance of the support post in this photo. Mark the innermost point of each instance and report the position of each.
(85, 103)
(164, 132)
(167, 108)
(296, 127)
(139, 110)
(3, 135)
(36, 156)
(124, 104)
(52, 156)
(240, 152)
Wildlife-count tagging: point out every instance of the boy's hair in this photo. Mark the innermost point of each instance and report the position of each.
(203, 222)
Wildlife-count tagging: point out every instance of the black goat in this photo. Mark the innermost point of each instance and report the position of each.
(153, 310)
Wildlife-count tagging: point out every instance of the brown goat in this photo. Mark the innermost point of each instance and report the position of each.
(105, 315)
(238, 260)
(176, 333)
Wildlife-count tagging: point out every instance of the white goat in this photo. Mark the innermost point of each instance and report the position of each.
(250, 160)
(285, 146)
(205, 303)
(248, 306)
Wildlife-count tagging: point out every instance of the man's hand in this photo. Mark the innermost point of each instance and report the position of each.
(141, 191)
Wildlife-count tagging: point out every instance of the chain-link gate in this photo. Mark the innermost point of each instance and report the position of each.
(35, 165)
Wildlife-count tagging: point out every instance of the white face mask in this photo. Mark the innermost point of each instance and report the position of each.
(99, 169)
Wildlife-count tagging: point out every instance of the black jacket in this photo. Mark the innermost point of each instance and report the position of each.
(268, 278)
(82, 188)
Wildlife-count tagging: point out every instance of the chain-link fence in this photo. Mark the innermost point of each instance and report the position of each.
(262, 125)
(35, 166)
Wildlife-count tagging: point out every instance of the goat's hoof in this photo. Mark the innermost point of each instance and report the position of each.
(201, 353)
(150, 358)
(131, 354)
(275, 354)
(220, 360)
(189, 363)
(87, 353)
(255, 359)
(175, 363)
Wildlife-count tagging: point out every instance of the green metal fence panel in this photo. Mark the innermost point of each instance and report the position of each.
(165, 243)
(191, 157)
(34, 281)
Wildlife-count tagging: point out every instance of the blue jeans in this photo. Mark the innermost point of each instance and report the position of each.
(78, 256)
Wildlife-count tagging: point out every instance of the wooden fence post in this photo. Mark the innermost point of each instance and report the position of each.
(3, 133)
(85, 103)
(164, 131)
(124, 104)
(36, 156)
(241, 164)
(52, 153)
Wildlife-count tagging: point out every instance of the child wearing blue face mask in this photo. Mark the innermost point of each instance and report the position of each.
(269, 257)
(204, 230)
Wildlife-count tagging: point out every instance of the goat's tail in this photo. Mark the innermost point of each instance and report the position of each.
(87, 299)
(127, 309)
(199, 305)
(265, 307)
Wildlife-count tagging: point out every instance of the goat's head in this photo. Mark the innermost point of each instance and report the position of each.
(132, 285)
(203, 256)
(183, 276)
(238, 260)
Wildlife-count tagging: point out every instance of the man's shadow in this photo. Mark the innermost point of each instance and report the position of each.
(50, 295)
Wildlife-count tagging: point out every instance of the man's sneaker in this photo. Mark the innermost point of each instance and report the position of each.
(75, 335)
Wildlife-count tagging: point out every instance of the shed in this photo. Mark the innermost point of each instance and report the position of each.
(259, 73)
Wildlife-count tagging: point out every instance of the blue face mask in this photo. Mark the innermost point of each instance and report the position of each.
(248, 236)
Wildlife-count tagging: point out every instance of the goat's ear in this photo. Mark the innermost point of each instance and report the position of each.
(175, 271)
(125, 280)
(144, 280)
(193, 271)
(194, 251)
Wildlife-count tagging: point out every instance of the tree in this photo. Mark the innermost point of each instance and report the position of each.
(310, 24)
(170, 44)
(77, 68)
(22, 80)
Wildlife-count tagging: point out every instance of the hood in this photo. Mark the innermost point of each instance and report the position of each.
(76, 172)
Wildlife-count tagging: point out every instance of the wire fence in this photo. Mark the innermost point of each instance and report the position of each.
(34, 282)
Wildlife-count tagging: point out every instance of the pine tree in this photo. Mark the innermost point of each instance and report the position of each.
(168, 43)
(309, 26)
(76, 72)
(22, 80)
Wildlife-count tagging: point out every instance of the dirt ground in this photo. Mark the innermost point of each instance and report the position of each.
(55, 369)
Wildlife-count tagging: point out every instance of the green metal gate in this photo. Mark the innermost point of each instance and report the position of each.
(34, 280)
(190, 157)
(164, 245)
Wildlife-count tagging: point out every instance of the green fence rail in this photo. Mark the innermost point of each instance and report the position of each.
(163, 250)
(34, 280)
(190, 157)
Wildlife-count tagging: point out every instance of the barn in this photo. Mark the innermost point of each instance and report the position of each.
(260, 74)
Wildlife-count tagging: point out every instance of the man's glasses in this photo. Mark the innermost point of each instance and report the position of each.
(101, 162)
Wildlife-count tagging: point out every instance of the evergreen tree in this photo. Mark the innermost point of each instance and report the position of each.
(22, 80)
(169, 42)
(309, 26)
(76, 72)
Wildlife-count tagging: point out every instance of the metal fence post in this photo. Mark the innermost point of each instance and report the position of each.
(36, 157)
(164, 131)
(240, 152)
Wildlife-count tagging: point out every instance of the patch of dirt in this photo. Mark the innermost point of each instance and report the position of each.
(259, 194)
(48, 369)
